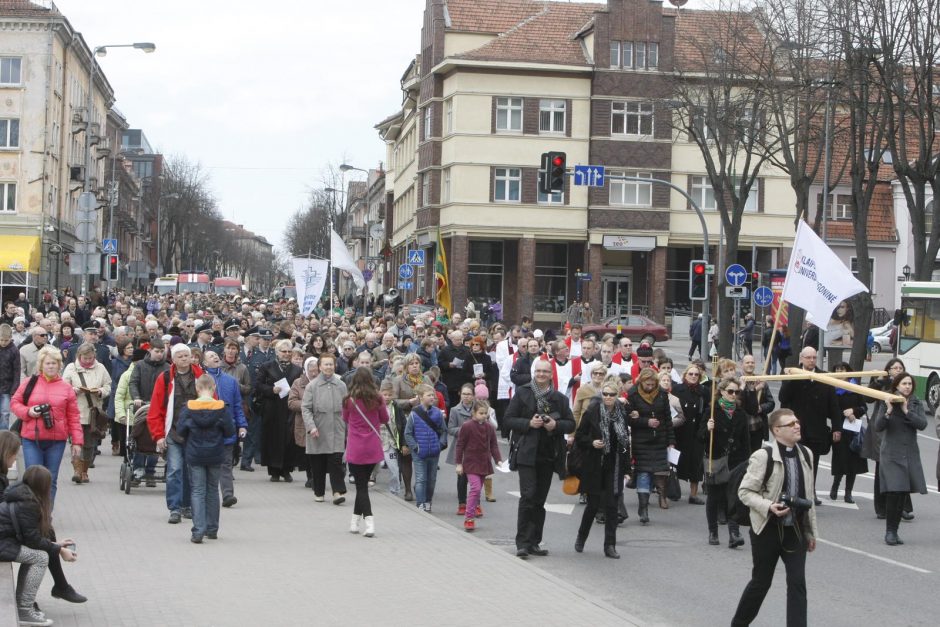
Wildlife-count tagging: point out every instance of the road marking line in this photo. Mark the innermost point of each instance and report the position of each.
(876, 557)
(871, 475)
(839, 504)
(555, 508)
(928, 437)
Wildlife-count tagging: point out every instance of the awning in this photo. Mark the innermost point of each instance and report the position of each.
(19, 253)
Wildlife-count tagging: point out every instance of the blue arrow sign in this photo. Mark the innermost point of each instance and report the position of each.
(736, 275)
(405, 271)
(406, 285)
(416, 257)
(109, 246)
(589, 175)
(763, 296)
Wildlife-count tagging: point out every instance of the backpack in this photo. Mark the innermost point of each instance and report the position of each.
(738, 511)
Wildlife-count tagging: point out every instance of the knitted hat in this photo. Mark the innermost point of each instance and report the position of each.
(480, 391)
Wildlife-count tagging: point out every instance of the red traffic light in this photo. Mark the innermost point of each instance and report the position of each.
(557, 161)
(699, 268)
(755, 276)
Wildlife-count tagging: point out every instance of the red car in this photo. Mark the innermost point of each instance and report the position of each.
(637, 328)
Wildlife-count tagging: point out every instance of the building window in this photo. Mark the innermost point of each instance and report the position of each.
(652, 57)
(427, 122)
(631, 118)
(641, 56)
(627, 55)
(555, 198)
(841, 206)
(9, 133)
(449, 115)
(853, 264)
(551, 277)
(552, 116)
(615, 54)
(631, 193)
(445, 187)
(508, 184)
(10, 70)
(509, 114)
(7, 197)
(753, 197)
(485, 272)
(425, 189)
(703, 194)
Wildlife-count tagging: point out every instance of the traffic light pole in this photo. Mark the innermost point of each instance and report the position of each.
(701, 216)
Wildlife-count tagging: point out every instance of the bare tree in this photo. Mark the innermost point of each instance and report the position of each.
(720, 103)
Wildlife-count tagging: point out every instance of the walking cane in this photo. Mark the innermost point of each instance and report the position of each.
(711, 434)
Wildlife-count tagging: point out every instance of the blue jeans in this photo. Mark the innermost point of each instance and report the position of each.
(4, 411)
(425, 477)
(46, 453)
(177, 477)
(644, 482)
(205, 498)
(147, 463)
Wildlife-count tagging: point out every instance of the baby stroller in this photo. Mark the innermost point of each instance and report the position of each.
(139, 441)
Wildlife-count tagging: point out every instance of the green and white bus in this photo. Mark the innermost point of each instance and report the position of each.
(919, 337)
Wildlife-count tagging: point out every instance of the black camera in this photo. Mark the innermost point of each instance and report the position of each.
(45, 410)
(796, 503)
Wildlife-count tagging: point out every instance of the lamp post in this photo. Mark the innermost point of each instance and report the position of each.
(345, 167)
(99, 51)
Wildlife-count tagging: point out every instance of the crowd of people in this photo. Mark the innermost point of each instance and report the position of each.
(214, 383)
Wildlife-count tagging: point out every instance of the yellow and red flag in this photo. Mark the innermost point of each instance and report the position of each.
(441, 278)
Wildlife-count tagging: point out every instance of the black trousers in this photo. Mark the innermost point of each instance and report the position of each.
(328, 462)
(361, 474)
(534, 483)
(717, 501)
(501, 405)
(773, 543)
(895, 503)
(596, 501)
(880, 497)
(405, 471)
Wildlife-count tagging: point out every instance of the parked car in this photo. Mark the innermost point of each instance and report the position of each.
(639, 328)
(884, 337)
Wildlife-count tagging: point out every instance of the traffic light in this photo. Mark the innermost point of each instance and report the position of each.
(556, 172)
(112, 269)
(698, 280)
(755, 280)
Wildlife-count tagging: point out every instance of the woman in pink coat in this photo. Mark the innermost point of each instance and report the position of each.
(44, 436)
(365, 415)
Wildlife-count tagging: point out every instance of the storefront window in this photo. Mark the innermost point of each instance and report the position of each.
(484, 273)
(551, 277)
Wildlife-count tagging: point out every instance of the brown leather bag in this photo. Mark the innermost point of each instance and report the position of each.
(97, 419)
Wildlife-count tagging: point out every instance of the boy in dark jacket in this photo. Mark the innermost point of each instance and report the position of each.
(205, 423)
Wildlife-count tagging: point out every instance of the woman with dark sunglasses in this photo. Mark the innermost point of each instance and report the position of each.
(728, 426)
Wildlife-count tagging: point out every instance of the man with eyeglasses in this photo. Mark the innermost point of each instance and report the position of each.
(539, 417)
(28, 352)
(814, 404)
(642, 359)
(779, 531)
(622, 361)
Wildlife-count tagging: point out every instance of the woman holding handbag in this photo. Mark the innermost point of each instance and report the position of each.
(92, 384)
(45, 434)
(726, 429)
(603, 441)
(365, 414)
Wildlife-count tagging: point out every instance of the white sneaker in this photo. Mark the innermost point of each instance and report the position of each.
(30, 616)
(370, 526)
(354, 524)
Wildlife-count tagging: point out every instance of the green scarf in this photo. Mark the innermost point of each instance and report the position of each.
(728, 406)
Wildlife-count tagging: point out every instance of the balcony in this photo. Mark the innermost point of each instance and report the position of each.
(357, 232)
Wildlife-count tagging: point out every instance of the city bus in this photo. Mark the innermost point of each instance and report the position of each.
(919, 337)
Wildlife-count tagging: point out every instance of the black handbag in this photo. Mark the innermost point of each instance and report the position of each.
(673, 488)
(17, 425)
(720, 472)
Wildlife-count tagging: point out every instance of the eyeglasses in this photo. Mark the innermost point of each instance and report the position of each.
(609, 394)
(732, 392)
(597, 374)
(543, 372)
(788, 424)
(693, 374)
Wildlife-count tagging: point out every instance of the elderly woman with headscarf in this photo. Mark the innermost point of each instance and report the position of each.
(294, 398)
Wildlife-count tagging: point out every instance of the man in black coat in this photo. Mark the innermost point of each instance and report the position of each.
(539, 416)
(813, 403)
(456, 364)
(521, 372)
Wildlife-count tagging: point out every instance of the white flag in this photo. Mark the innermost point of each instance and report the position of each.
(342, 260)
(310, 278)
(817, 280)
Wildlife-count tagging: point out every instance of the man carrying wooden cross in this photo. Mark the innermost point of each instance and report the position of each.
(814, 403)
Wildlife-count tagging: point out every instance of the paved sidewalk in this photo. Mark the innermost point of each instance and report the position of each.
(282, 557)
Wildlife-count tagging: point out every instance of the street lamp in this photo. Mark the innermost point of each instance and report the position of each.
(99, 51)
(906, 271)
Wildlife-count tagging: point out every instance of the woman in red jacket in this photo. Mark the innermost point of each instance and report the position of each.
(44, 433)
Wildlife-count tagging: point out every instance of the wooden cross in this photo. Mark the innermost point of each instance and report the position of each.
(834, 379)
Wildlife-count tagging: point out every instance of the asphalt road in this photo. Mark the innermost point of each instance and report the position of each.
(669, 575)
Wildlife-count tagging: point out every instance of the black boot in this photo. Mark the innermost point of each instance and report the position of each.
(849, 484)
(891, 537)
(611, 552)
(834, 492)
(579, 543)
(734, 537)
(643, 512)
(713, 538)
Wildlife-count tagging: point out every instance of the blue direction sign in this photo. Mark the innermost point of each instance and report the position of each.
(736, 275)
(416, 257)
(405, 271)
(763, 296)
(406, 285)
(109, 246)
(590, 175)
(582, 276)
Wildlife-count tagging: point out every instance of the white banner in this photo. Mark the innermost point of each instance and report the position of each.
(817, 280)
(342, 260)
(310, 278)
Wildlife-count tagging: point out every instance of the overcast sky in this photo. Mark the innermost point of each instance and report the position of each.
(262, 94)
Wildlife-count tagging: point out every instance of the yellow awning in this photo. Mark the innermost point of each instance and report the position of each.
(19, 253)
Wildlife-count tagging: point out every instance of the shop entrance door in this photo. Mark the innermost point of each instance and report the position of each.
(617, 295)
